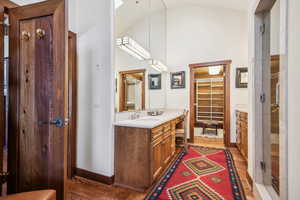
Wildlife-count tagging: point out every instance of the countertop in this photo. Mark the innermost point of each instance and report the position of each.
(150, 121)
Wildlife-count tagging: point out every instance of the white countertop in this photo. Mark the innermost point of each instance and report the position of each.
(150, 121)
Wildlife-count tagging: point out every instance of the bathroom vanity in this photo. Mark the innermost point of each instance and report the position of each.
(143, 149)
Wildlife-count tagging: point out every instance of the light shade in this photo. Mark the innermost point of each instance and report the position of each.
(215, 70)
(118, 3)
(133, 48)
(159, 66)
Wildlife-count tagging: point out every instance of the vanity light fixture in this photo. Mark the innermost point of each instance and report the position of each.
(215, 70)
(118, 3)
(157, 65)
(133, 48)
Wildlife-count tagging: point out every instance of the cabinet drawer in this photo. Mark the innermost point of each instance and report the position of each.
(156, 132)
(167, 127)
(167, 134)
(157, 140)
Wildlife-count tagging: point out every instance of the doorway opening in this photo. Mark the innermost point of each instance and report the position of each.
(132, 90)
(270, 73)
(210, 103)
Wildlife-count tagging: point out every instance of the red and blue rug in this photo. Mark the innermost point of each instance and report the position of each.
(200, 174)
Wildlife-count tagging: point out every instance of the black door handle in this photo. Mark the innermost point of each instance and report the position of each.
(58, 122)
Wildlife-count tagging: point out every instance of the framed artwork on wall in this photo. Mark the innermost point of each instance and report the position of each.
(241, 80)
(178, 80)
(154, 81)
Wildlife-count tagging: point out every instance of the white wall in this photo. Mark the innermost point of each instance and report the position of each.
(95, 86)
(203, 34)
(275, 29)
(293, 99)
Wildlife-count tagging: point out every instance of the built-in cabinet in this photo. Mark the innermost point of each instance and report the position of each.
(162, 146)
(142, 154)
(242, 132)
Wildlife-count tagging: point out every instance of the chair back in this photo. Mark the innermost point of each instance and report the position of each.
(185, 121)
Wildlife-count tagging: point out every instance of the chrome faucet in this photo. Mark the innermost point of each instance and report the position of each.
(135, 115)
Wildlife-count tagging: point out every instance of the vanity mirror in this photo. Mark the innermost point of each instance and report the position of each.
(140, 51)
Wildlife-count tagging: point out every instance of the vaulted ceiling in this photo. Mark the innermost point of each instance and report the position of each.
(134, 10)
(231, 4)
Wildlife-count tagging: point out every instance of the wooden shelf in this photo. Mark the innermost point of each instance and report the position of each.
(218, 113)
(215, 93)
(210, 106)
(206, 97)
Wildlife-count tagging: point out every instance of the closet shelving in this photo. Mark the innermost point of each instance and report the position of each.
(210, 99)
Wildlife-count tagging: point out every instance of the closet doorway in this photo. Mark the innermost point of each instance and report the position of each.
(210, 103)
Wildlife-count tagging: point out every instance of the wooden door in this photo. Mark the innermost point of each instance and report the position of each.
(38, 97)
(2, 103)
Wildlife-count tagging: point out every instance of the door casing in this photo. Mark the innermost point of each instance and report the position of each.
(227, 121)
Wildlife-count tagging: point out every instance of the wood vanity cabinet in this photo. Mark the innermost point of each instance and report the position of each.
(242, 132)
(141, 154)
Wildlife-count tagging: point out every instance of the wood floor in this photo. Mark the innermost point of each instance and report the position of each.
(81, 189)
(209, 142)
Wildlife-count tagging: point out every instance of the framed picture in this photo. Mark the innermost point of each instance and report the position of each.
(154, 81)
(241, 78)
(178, 80)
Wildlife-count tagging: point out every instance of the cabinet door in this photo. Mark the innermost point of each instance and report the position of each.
(173, 144)
(157, 155)
(167, 148)
(244, 141)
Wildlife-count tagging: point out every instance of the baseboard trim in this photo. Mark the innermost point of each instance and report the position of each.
(94, 176)
(232, 144)
(249, 180)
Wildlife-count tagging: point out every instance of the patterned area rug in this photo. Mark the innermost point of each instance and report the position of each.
(201, 174)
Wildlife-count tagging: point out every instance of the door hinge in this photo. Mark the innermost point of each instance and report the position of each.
(3, 177)
(262, 29)
(263, 166)
(262, 98)
(6, 28)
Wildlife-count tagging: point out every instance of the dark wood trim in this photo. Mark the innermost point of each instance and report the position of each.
(226, 64)
(208, 64)
(122, 75)
(94, 176)
(72, 143)
(8, 4)
(264, 6)
(232, 144)
(249, 180)
(275, 57)
(133, 71)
